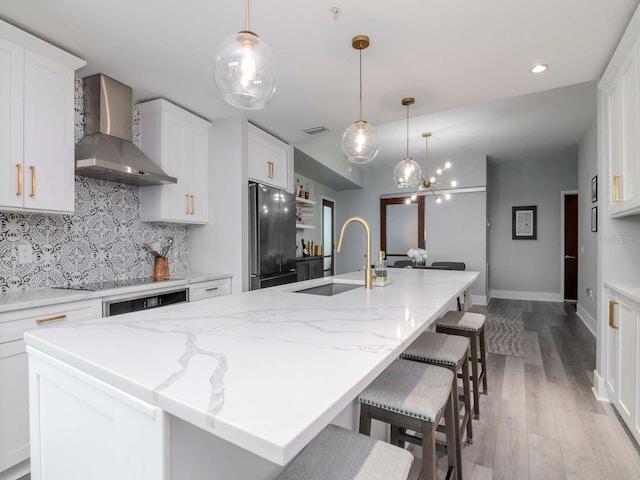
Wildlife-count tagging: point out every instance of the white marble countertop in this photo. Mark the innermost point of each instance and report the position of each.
(17, 300)
(628, 290)
(265, 370)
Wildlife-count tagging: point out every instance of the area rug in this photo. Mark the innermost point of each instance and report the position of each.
(504, 334)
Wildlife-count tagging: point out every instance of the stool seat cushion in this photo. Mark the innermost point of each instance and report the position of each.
(461, 320)
(437, 348)
(339, 454)
(409, 388)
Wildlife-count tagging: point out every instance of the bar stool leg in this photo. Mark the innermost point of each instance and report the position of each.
(483, 354)
(429, 450)
(474, 374)
(454, 453)
(365, 419)
(467, 397)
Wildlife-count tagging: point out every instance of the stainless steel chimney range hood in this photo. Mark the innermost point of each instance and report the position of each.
(106, 151)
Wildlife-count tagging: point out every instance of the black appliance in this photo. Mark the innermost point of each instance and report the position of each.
(143, 301)
(272, 237)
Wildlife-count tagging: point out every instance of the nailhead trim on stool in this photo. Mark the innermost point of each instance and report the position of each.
(470, 325)
(452, 352)
(414, 396)
(339, 454)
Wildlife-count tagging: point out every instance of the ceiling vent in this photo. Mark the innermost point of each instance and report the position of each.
(315, 130)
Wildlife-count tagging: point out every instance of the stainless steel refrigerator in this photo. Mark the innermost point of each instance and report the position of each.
(272, 236)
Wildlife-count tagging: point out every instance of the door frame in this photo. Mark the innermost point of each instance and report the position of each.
(333, 232)
(563, 194)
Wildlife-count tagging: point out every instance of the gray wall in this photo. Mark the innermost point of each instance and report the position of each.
(587, 240)
(528, 268)
(456, 230)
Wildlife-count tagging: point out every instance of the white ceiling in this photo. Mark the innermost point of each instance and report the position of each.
(447, 54)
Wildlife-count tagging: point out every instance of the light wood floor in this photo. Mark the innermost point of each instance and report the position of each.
(540, 419)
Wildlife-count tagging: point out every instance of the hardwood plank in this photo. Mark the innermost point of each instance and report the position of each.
(479, 473)
(485, 430)
(560, 392)
(539, 413)
(512, 451)
(577, 451)
(629, 443)
(609, 450)
(513, 383)
(545, 458)
(531, 349)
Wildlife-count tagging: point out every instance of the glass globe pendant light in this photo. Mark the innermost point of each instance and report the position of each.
(245, 70)
(360, 140)
(407, 172)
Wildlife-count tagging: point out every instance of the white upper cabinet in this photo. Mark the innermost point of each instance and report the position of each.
(268, 159)
(622, 138)
(178, 141)
(36, 124)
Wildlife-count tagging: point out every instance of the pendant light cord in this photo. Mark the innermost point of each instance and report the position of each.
(248, 16)
(407, 133)
(360, 83)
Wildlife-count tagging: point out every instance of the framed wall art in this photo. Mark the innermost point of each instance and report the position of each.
(524, 222)
(594, 189)
(594, 219)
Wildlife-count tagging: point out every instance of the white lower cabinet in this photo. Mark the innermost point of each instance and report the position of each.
(622, 338)
(209, 289)
(14, 389)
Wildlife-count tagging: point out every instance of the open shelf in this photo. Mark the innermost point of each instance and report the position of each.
(304, 201)
(303, 226)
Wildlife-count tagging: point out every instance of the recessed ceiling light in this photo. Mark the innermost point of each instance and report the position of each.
(541, 67)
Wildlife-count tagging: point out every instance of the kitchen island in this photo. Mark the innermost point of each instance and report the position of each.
(228, 388)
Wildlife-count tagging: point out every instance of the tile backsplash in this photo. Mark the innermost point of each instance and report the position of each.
(102, 240)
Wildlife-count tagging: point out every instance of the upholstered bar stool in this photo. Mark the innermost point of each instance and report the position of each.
(415, 396)
(470, 325)
(339, 454)
(452, 352)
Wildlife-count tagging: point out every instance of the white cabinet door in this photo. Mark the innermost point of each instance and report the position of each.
(14, 390)
(49, 163)
(37, 165)
(629, 79)
(268, 159)
(14, 405)
(622, 360)
(614, 122)
(11, 123)
(178, 142)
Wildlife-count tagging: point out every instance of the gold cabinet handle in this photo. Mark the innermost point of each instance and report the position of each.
(51, 319)
(616, 188)
(19, 192)
(187, 204)
(33, 180)
(271, 169)
(193, 204)
(612, 314)
(212, 289)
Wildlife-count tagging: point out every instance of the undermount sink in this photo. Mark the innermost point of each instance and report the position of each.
(329, 289)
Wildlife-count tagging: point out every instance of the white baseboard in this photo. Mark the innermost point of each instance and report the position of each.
(533, 296)
(587, 319)
(479, 299)
(17, 471)
(599, 389)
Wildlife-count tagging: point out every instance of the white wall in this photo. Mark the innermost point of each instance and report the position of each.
(529, 269)
(214, 247)
(587, 240)
(456, 230)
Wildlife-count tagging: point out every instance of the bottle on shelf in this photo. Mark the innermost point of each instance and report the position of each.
(305, 252)
(306, 192)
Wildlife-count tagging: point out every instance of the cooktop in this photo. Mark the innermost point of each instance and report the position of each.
(109, 284)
